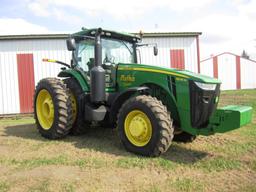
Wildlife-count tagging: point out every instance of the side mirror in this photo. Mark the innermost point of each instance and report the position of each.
(155, 50)
(71, 44)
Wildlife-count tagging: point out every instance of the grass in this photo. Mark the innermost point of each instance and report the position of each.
(131, 162)
(34, 162)
(4, 186)
(238, 147)
(68, 187)
(41, 187)
(16, 120)
(253, 165)
(98, 162)
(165, 164)
(90, 162)
(187, 184)
(218, 164)
(249, 188)
(59, 160)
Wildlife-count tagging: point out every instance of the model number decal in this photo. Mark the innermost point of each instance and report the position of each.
(127, 78)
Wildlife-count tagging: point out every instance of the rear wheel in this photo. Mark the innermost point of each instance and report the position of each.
(184, 137)
(145, 126)
(52, 108)
(79, 126)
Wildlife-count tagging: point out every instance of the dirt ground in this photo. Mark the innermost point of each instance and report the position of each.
(97, 161)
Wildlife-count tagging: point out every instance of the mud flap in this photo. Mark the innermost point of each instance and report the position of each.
(229, 118)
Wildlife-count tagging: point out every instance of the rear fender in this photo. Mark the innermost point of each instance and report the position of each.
(78, 76)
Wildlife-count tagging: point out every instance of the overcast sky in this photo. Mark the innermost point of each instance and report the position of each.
(227, 25)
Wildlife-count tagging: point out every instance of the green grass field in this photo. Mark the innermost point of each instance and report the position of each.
(98, 162)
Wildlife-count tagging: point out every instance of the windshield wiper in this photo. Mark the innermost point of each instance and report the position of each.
(145, 44)
(127, 47)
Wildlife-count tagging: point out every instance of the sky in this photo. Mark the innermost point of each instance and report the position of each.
(226, 25)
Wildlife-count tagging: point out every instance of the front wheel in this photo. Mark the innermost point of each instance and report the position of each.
(145, 126)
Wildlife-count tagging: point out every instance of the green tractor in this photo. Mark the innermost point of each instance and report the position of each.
(150, 106)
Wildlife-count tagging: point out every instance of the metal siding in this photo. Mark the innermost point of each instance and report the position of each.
(206, 67)
(41, 48)
(52, 49)
(248, 77)
(191, 59)
(9, 91)
(227, 71)
(164, 45)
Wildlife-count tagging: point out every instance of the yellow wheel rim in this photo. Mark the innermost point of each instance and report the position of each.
(45, 109)
(138, 128)
(74, 107)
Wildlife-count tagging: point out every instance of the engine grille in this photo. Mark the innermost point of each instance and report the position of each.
(202, 104)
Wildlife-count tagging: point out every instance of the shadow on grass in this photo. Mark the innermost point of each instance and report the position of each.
(106, 140)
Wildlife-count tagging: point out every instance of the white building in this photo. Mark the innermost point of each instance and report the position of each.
(176, 50)
(234, 71)
(21, 65)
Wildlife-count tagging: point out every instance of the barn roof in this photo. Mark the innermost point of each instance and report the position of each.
(226, 53)
(65, 36)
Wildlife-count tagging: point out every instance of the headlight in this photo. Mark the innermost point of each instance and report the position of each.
(205, 86)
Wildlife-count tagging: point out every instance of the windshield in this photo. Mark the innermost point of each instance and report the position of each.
(113, 52)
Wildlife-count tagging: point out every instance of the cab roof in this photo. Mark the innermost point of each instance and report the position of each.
(109, 34)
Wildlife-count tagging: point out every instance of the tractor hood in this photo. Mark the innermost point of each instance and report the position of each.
(170, 71)
(199, 77)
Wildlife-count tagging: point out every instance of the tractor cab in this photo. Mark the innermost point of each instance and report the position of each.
(114, 48)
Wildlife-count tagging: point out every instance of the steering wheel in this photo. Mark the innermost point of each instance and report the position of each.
(109, 59)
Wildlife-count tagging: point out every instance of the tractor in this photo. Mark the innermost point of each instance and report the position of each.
(150, 106)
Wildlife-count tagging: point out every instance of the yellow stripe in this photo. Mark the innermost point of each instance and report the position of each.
(52, 60)
(153, 70)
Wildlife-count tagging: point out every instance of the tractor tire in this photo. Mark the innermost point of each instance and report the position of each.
(79, 125)
(145, 126)
(184, 137)
(52, 108)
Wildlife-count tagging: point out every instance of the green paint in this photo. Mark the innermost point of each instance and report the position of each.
(174, 72)
(78, 76)
(230, 117)
(222, 120)
(171, 86)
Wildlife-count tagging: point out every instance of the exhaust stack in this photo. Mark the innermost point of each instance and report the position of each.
(97, 82)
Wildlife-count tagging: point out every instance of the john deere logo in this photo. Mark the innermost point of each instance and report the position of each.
(127, 78)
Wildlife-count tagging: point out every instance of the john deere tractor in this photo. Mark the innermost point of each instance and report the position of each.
(105, 85)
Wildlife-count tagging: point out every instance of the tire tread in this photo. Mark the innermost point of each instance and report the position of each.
(62, 103)
(163, 119)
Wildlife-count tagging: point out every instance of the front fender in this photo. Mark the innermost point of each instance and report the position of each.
(78, 76)
(121, 97)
